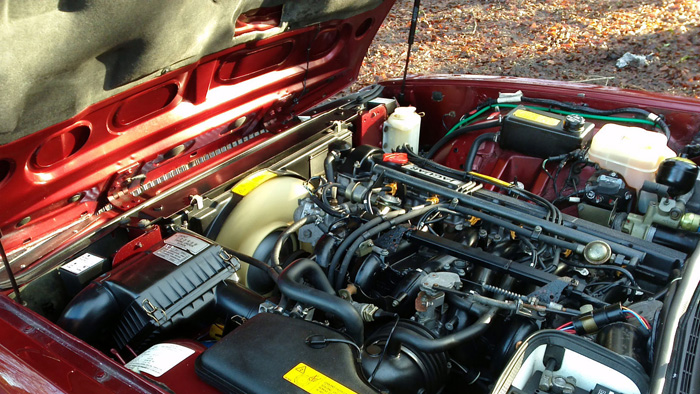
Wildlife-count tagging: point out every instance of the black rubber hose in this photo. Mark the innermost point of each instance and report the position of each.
(232, 299)
(324, 207)
(277, 250)
(255, 263)
(324, 299)
(324, 250)
(328, 165)
(351, 238)
(240, 256)
(475, 148)
(365, 275)
(458, 133)
(418, 342)
(369, 233)
(466, 305)
(593, 111)
(621, 270)
(308, 270)
(684, 241)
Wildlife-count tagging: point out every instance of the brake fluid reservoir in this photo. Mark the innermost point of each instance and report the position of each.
(402, 127)
(632, 152)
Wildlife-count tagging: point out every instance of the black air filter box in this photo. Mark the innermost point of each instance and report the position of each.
(270, 354)
(543, 134)
(150, 293)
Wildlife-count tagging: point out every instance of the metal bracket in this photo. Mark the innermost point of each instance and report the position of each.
(551, 292)
(229, 259)
(151, 311)
(122, 183)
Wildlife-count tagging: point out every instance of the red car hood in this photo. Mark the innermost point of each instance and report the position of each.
(104, 106)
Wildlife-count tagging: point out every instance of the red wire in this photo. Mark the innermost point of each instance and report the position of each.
(563, 325)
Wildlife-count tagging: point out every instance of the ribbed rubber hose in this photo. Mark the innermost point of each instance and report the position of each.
(370, 232)
(352, 237)
(322, 297)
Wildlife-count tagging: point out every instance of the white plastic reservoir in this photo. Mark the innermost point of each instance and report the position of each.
(632, 152)
(402, 127)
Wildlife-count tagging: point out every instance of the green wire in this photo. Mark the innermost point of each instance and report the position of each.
(556, 111)
(469, 119)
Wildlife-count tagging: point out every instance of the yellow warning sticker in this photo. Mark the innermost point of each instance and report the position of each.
(535, 117)
(314, 382)
(247, 184)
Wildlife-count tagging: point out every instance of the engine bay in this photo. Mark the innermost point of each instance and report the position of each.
(532, 247)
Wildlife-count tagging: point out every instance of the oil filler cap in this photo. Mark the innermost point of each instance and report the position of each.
(396, 158)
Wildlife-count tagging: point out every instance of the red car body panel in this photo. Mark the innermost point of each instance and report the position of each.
(73, 177)
(38, 357)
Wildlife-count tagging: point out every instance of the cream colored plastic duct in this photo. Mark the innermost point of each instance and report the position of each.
(267, 208)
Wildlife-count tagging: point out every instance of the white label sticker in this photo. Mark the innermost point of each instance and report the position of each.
(172, 254)
(159, 359)
(82, 263)
(187, 242)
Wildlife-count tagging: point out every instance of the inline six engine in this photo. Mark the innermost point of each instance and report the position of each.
(394, 269)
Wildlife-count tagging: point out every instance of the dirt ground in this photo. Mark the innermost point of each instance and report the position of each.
(574, 40)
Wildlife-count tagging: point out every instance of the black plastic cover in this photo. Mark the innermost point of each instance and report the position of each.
(679, 174)
(79, 272)
(255, 357)
(150, 293)
(542, 134)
